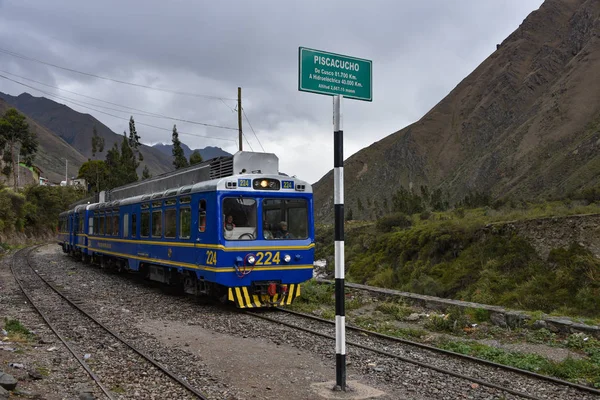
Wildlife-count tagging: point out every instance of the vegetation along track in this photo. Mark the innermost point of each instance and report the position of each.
(117, 363)
(481, 372)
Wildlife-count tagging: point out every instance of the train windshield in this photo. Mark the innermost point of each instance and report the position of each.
(239, 218)
(285, 219)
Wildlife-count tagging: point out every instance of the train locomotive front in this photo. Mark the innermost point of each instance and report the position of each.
(266, 240)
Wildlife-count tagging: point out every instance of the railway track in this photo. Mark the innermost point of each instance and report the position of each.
(482, 372)
(111, 360)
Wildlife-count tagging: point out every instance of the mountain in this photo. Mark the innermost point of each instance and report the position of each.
(76, 128)
(53, 155)
(524, 124)
(206, 153)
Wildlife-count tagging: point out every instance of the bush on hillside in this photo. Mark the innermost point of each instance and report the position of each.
(391, 221)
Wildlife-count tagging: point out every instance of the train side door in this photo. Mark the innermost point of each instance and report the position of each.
(204, 255)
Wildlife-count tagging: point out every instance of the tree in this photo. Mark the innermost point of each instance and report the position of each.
(179, 160)
(129, 163)
(113, 161)
(146, 173)
(195, 158)
(95, 173)
(97, 147)
(14, 131)
(134, 139)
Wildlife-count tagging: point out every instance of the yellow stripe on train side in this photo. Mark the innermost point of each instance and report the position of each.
(197, 245)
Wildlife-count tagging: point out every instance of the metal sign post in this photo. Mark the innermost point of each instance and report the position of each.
(338, 201)
(340, 76)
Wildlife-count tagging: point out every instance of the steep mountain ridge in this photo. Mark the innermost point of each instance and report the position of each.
(76, 129)
(525, 123)
(51, 155)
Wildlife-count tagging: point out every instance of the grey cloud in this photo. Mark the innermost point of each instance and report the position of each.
(420, 50)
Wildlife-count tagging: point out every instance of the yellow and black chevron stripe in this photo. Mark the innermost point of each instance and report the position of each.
(243, 299)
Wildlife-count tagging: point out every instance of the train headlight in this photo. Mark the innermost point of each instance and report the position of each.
(251, 259)
(287, 258)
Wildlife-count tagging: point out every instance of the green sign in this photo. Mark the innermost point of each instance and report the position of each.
(333, 74)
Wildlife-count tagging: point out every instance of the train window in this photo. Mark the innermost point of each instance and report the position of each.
(185, 222)
(145, 205)
(133, 225)
(170, 202)
(202, 215)
(108, 226)
(101, 231)
(81, 217)
(96, 224)
(157, 223)
(239, 218)
(185, 200)
(145, 224)
(115, 225)
(90, 225)
(170, 222)
(156, 204)
(125, 225)
(285, 219)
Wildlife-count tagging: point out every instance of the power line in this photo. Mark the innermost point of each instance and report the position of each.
(261, 146)
(147, 113)
(118, 117)
(12, 53)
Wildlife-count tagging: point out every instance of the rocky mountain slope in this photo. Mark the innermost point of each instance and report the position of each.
(76, 129)
(525, 123)
(51, 155)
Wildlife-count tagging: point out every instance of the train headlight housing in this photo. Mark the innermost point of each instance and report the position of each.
(251, 259)
(287, 258)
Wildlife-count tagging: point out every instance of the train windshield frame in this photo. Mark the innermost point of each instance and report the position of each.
(284, 219)
(239, 218)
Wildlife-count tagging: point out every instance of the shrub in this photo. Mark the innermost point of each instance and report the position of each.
(391, 221)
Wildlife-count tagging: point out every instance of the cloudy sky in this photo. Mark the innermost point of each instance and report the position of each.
(420, 51)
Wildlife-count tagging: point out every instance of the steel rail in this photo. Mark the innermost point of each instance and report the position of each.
(451, 353)
(404, 359)
(107, 329)
(53, 329)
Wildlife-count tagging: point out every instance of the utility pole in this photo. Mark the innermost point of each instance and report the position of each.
(66, 173)
(18, 169)
(239, 107)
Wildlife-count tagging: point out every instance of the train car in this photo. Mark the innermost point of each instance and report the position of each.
(80, 231)
(246, 237)
(63, 231)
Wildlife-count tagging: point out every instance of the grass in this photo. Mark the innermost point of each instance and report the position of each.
(17, 332)
(118, 389)
(584, 371)
(396, 310)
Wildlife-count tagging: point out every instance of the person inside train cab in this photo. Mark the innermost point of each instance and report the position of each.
(283, 232)
(229, 225)
(267, 229)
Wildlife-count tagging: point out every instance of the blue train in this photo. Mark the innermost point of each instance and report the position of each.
(233, 228)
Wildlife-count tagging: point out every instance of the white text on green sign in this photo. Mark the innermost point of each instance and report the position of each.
(333, 74)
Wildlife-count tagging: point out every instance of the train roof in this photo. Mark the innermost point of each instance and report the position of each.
(221, 184)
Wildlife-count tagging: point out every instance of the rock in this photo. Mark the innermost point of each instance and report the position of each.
(498, 319)
(413, 317)
(4, 393)
(35, 375)
(86, 396)
(539, 324)
(7, 381)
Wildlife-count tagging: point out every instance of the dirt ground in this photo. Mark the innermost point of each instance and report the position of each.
(280, 372)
